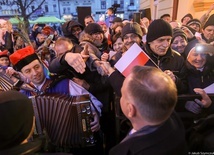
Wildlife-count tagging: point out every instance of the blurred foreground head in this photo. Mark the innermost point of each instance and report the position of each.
(16, 119)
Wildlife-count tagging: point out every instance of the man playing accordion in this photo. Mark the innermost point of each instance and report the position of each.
(28, 63)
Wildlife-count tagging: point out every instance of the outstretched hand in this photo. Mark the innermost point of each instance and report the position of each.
(104, 57)
(108, 70)
(85, 53)
(197, 105)
(76, 61)
(206, 101)
(170, 74)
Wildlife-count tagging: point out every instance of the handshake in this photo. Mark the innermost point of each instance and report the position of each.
(104, 68)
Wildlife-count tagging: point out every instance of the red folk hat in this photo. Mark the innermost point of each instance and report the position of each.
(4, 54)
(23, 57)
(47, 30)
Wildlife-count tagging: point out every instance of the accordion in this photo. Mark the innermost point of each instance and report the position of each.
(10, 83)
(65, 119)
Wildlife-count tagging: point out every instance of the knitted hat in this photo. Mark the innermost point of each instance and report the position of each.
(209, 22)
(116, 19)
(47, 30)
(190, 46)
(158, 28)
(93, 28)
(187, 15)
(178, 32)
(23, 57)
(16, 118)
(191, 29)
(194, 21)
(132, 28)
(4, 53)
(68, 26)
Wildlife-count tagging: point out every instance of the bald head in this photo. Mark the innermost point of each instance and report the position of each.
(62, 45)
(153, 93)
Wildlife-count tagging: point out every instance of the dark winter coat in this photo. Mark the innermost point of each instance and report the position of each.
(167, 139)
(174, 62)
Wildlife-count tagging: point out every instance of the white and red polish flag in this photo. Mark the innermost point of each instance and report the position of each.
(134, 56)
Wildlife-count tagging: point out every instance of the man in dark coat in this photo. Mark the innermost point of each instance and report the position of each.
(158, 49)
(144, 101)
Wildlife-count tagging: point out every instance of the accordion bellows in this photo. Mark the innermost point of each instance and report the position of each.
(65, 119)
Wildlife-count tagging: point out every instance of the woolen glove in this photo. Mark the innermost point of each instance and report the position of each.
(194, 106)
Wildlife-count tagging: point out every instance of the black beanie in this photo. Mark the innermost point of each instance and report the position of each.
(158, 28)
(132, 28)
(187, 15)
(178, 32)
(93, 28)
(16, 118)
(194, 21)
(191, 29)
(209, 22)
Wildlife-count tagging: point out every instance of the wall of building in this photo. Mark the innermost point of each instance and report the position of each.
(160, 7)
(60, 8)
(185, 7)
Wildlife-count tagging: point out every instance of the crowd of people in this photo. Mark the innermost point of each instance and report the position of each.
(163, 106)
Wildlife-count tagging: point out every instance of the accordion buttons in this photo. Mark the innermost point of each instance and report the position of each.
(83, 110)
(88, 107)
(92, 141)
(88, 112)
(87, 140)
(91, 137)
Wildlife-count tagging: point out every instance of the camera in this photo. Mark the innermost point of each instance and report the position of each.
(204, 48)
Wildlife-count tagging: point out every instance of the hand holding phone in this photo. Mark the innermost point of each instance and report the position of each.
(204, 48)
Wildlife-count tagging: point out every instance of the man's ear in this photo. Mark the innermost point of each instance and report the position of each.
(131, 110)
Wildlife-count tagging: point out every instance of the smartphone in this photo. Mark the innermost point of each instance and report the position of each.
(204, 48)
(137, 17)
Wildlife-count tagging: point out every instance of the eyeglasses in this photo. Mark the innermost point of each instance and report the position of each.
(76, 30)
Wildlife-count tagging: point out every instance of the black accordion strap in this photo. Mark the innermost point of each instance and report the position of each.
(38, 123)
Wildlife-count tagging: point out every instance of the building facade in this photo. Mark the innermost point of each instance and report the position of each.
(176, 8)
(68, 8)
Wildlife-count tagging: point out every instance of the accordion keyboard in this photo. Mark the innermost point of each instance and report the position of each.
(65, 119)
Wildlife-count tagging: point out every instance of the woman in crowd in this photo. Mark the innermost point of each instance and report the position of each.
(115, 55)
